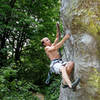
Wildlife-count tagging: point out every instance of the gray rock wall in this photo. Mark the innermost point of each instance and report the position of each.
(80, 18)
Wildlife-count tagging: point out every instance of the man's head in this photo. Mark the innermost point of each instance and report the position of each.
(46, 42)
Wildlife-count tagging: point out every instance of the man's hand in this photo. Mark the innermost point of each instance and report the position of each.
(57, 25)
(58, 30)
(67, 36)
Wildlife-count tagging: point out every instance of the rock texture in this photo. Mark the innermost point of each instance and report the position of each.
(80, 19)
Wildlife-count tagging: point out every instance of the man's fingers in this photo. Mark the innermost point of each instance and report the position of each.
(58, 28)
(57, 25)
(68, 35)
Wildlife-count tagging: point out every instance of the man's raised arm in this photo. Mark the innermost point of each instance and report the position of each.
(57, 35)
(59, 44)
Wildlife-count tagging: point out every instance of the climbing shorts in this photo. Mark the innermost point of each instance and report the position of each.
(56, 64)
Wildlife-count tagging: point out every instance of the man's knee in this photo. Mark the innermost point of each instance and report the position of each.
(71, 63)
(70, 66)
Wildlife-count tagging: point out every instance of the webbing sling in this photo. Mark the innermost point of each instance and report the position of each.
(48, 78)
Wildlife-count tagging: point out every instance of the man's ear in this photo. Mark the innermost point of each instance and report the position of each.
(44, 44)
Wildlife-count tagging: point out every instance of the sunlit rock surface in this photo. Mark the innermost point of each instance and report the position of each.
(82, 19)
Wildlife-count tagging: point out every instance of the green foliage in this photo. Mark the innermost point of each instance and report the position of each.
(9, 73)
(53, 90)
(23, 64)
(13, 89)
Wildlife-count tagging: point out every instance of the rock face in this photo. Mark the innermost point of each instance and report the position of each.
(81, 18)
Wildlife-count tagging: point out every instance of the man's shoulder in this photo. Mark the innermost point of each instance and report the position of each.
(50, 48)
(47, 47)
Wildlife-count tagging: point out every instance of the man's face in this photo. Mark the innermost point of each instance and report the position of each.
(47, 42)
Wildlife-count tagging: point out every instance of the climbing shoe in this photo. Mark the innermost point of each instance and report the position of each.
(74, 84)
(64, 85)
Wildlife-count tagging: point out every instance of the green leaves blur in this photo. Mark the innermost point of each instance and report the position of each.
(23, 63)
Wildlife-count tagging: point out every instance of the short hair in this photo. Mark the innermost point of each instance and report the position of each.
(42, 41)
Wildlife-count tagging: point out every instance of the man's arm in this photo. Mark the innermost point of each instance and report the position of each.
(57, 35)
(59, 44)
(56, 40)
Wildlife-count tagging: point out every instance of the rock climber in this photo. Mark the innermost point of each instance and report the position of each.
(58, 66)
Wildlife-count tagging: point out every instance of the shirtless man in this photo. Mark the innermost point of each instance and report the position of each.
(57, 64)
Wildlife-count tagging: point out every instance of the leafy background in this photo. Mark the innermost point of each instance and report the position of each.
(23, 63)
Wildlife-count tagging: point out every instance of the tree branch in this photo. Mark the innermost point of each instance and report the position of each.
(12, 2)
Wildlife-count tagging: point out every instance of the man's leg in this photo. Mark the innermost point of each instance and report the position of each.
(69, 67)
(66, 72)
(65, 76)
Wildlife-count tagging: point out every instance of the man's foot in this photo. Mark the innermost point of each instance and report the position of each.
(74, 84)
(64, 85)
